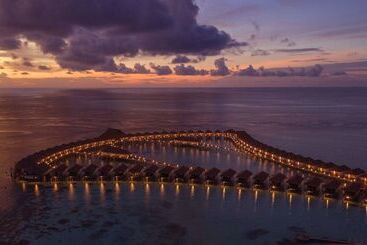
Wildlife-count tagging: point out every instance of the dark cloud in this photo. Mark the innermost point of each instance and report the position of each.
(249, 71)
(180, 59)
(260, 52)
(87, 35)
(221, 68)
(27, 62)
(314, 71)
(299, 50)
(138, 69)
(189, 70)
(161, 70)
(3, 75)
(183, 59)
(288, 42)
(24, 73)
(44, 68)
(9, 43)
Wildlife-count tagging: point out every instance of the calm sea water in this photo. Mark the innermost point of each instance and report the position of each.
(325, 123)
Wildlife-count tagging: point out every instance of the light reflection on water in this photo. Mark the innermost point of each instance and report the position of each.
(231, 205)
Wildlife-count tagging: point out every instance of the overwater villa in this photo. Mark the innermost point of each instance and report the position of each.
(211, 176)
(196, 174)
(150, 173)
(135, 172)
(227, 177)
(104, 172)
(120, 171)
(180, 174)
(332, 188)
(88, 172)
(72, 173)
(312, 186)
(260, 180)
(277, 181)
(244, 178)
(295, 183)
(165, 173)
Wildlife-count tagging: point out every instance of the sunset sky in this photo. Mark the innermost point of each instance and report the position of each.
(109, 43)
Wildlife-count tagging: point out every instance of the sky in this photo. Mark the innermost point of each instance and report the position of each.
(182, 43)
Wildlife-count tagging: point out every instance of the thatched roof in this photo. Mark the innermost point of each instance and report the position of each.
(244, 175)
(229, 173)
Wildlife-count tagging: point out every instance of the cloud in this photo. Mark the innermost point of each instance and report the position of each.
(288, 42)
(260, 52)
(27, 62)
(138, 69)
(183, 59)
(161, 70)
(221, 68)
(9, 43)
(3, 75)
(189, 70)
(249, 71)
(87, 35)
(180, 59)
(299, 50)
(44, 68)
(313, 71)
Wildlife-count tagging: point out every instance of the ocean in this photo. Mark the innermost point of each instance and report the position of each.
(324, 123)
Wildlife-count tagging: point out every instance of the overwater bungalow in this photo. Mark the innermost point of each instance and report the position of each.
(195, 174)
(312, 186)
(331, 188)
(57, 173)
(227, 177)
(135, 172)
(260, 179)
(165, 173)
(104, 172)
(277, 181)
(73, 173)
(150, 173)
(295, 183)
(244, 178)
(351, 190)
(211, 176)
(88, 173)
(359, 198)
(180, 174)
(120, 171)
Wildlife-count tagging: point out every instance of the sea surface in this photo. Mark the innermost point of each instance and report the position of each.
(323, 123)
